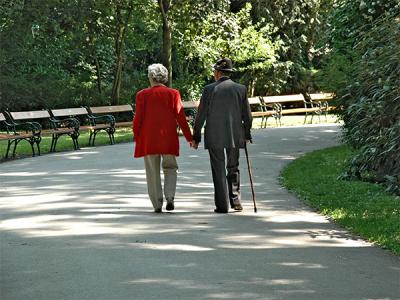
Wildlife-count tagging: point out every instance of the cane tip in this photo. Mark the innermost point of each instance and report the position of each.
(255, 210)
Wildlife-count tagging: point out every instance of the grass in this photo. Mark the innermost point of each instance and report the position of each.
(293, 120)
(363, 208)
(65, 142)
(125, 135)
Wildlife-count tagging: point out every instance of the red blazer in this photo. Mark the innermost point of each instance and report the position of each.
(158, 112)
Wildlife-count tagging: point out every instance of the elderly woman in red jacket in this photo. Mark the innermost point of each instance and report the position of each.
(158, 112)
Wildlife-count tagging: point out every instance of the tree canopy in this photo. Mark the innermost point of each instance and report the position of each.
(63, 53)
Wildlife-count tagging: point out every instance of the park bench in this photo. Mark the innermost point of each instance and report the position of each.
(107, 115)
(290, 105)
(190, 108)
(315, 104)
(98, 118)
(17, 132)
(83, 116)
(57, 127)
(260, 109)
(322, 99)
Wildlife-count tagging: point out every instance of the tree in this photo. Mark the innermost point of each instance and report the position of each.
(123, 11)
(165, 7)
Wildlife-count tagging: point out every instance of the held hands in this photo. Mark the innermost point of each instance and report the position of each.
(194, 144)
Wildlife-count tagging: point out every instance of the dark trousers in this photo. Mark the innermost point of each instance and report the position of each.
(226, 178)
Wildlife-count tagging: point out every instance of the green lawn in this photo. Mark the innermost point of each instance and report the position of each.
(125, 135)
(65, 142)
(292, 120)
(363, 208)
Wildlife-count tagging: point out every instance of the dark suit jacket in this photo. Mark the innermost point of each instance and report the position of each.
(225, 109)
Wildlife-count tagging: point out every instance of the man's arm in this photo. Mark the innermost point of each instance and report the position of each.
(181, 117)
(201, 115)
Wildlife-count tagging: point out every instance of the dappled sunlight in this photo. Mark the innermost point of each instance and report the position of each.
(95, 214)
(23, 174)
(170, 247)
(302, 265)
(81, 152)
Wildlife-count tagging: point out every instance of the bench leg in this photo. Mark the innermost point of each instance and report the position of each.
(15, 147)
(112, 139)
(8, 148)
(90, 138)
(75, 141)
(38, 139)
(53, 143)
(305, 119)
(110, 132)
(33, 148)
(94, 137)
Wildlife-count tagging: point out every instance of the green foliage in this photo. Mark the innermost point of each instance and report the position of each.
(372, 120)
(224, 33)
(59, 53)
(364, 69)
(363, 208)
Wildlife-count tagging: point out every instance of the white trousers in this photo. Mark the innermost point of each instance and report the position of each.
(170, 166)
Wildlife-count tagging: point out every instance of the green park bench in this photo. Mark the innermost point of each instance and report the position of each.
(14, 133)
(315, 104)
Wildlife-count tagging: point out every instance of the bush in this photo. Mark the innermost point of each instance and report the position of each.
(372, 105)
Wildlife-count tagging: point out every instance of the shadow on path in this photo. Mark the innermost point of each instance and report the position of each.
(79, 225)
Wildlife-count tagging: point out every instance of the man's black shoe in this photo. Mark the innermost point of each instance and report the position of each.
(170, 206)
(220, 211)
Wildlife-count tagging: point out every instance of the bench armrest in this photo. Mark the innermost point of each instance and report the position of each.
(93, 119)
(33, 127)
(62, 123)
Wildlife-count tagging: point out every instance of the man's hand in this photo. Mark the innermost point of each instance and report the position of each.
(249, 142)
(194, 145)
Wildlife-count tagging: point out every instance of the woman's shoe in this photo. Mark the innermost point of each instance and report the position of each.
(237, 207)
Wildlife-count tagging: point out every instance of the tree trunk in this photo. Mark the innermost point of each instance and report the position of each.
(118, 67)
(96, 60)
(167, 37)
(92, 47)
(119, 45)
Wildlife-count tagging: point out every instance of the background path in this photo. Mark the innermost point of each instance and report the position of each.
(78, 225)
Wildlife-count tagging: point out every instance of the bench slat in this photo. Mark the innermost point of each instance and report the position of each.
(29, 115)
(66, 112)
(299, 110)
(110, 109)
(263, 113)
(58, 131)
(322, 96)
(124, 124)
(15, 136)
(2, 117)
(190, 104)
(284, 98)
(254, 100)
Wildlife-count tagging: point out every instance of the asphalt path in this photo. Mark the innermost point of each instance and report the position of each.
(79, 225)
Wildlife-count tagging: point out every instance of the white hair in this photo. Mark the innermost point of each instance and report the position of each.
(158, 73)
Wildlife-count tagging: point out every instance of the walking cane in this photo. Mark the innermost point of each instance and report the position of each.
(251, 177)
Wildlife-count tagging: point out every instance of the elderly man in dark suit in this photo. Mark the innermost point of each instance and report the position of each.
(225, 109)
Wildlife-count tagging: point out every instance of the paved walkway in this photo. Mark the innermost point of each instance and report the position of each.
(78, 225)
